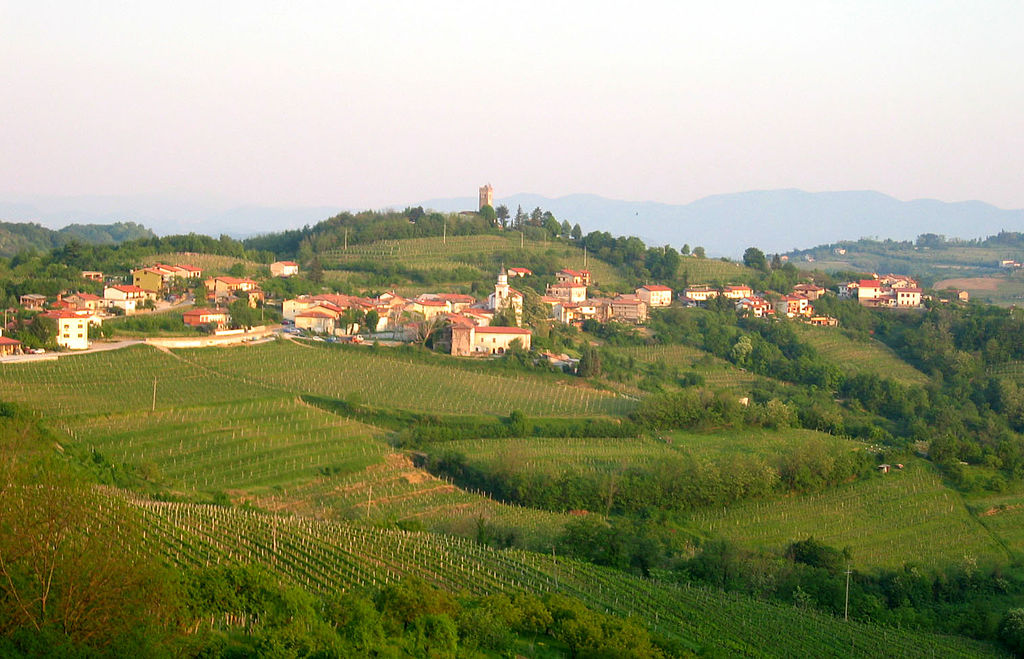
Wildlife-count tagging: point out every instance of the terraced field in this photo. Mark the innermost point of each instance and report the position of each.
(708, 271)
(387, 379)
(607, 455)
(330, 556)
(885, 521)
(118, 381)
(860, 356)
(717, 372)
(246, 445)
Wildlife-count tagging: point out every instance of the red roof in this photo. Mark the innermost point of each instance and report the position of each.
(656, 287)
(65, 314)
(88, 297)
(909, 290)
(432, 303)
(869, 283)
(4, 341)
(292, 264)
(205, 312)
(523, 270)
(502, 330)
(314, 313)
(128, 289)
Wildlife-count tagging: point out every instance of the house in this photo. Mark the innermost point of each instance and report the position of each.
(737, 292)
(519, 272)
(284, 269)
(73, 328)
(199, 316)
(318, 319)
(152, 279)
(629, 309)
(568, 292)
(908, 297)
(757, 307)
(700, 293)
(429, 307)
(92, 275)
(469, 340)
(86, 301)
(124, 297)
(574, 313)
(823, 321)
(579, 277)
(32, 301)
(479, 317)
(796, 305)
(221, 288)
(868, 289)
(457, 301)
(9, 346)
(810, 291)
(655, 295)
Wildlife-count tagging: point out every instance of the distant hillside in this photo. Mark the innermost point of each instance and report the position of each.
(774, 220)
(16, 237)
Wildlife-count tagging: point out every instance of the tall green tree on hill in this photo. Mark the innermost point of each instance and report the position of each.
(502, 215)
(577, 232)
(488, 213)
(754, 258)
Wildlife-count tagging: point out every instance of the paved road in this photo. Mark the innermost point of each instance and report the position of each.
(97, 346)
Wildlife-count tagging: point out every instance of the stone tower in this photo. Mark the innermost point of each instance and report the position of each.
(486, 196)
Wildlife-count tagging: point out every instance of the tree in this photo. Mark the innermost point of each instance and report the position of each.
(371, 320)
(754, 258)
(536, 217)
(685, 251)
(488, 213)
(237, 269)
(200, 294)
(1011, 630)
(502, 215)
(698, 252)
(316, 271)
(577, 232)
(590, 362)
(242, 315)
(565, 229)
(520, 218)
(65, 579)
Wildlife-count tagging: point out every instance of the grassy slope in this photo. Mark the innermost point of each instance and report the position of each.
(885, 521)
(860, 356)
(387, 379)
(329, 556)
(717, 372)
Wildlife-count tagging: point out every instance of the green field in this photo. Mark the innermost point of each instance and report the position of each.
(709, 271)
(606, 455)
(384, 379)
(717, 373)
(886, 521)
(857, 355)
(210, 264)
(326, 556)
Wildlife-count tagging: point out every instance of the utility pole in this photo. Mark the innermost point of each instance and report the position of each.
(153, 409)
(846, 609)
(584, 257)
(444, 235)
(346, 239)
(520, 240)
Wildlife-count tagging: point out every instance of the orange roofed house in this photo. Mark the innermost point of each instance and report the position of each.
(200, 317)
(469, 340)
(284, 269)
(655, 295)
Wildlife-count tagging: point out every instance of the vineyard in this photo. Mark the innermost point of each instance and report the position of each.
(385, 380)
(717, 373)
(885, 521)
(708, 271)
(210, 264)
(468, 251)
(855, 355)
(324, 556)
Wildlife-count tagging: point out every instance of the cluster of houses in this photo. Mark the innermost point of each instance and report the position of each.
(888, 291)
(797, 304)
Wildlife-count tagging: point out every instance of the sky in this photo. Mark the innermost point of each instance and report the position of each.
(369, 104)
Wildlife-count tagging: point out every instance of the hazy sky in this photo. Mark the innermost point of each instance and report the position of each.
(365, 104)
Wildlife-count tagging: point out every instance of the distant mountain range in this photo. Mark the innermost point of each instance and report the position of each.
(774, 220)
(725, 225)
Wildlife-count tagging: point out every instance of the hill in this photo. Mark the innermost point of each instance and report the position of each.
(774, 220)
(16, 237)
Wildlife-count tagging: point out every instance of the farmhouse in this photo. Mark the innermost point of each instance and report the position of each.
(125, 298)
(92, 275)
(468, 340)
(629, 309)
(519, 272)
(655, 295)
(73, 328)
(810, 291)
(318, 319)
(579, 277)
(797, 305)
(700, 293)
(221, 288)
(568, 292)
(284, 269)
(9, 346)
(737, 292)
(757, 307)
(199, 317)
(32, 301)
(86, 301)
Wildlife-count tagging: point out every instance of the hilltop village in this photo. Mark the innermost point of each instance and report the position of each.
(464, 325)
